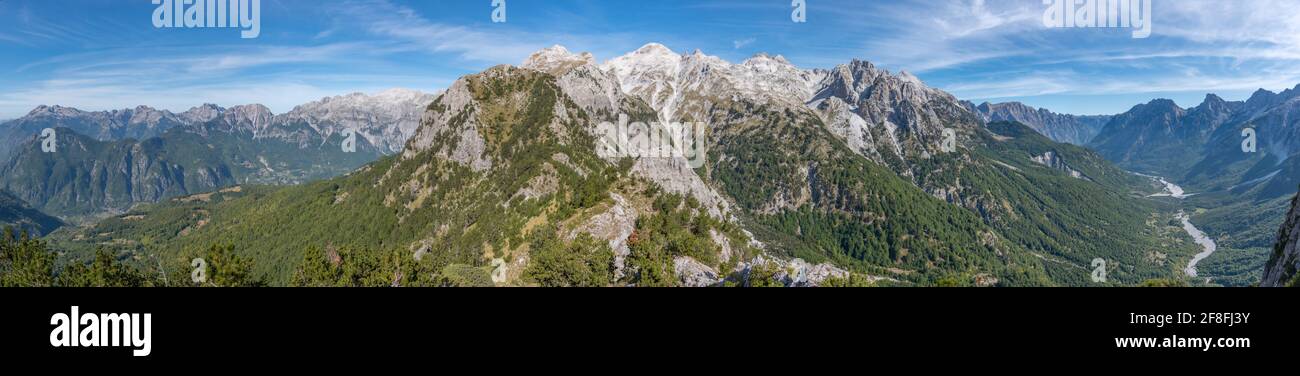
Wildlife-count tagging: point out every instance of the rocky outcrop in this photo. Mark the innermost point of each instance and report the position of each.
(614, 226)
(795, 272)
(1051, 159)
(1280, 271)
(692, 273)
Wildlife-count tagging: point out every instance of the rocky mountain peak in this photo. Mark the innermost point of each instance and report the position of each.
(1212, 99)
(146, 115)
(55, 110)
(650, 55)
(1261, 98)
(254, 117)
(203, 113)
(557, 60)
(654, 49)
(910, 78)
(763, 59)
(1163, 103)
(252, 110)
(1215, 110)
(1165, 111)
(402, 94)
(143, 108)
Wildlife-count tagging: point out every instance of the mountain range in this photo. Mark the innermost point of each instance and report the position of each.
(852, 175)
(849, 175)
(110, 161)
(1070, 129)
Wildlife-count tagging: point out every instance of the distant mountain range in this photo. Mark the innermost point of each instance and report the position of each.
(1070, 129)
(1161, 137)
(110, 161)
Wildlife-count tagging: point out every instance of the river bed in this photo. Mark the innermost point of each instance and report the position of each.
(1206, 243)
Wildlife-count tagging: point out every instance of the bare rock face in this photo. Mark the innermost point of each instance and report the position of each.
(253, 117)
(906, 118)
(796, 272)
(860, 136)
(452, 115)
(685, 87)
(1051, 159)
(597, 91)
(202, 114)
(614, 226)
(602, 93)
(675, 175)
(1282, 265)
(692, 273)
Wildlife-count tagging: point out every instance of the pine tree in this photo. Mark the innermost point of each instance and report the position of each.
(24, 262)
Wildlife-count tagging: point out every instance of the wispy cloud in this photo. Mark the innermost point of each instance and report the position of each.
(481, 43)
(997, 49)
(743, 42)
(976, 49)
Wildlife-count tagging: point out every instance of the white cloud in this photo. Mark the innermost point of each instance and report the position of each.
(979, 49)
(932, 35)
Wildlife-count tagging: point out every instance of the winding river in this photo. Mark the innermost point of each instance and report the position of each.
(1175, 191)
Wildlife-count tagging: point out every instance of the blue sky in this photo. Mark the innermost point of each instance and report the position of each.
(106, 54)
